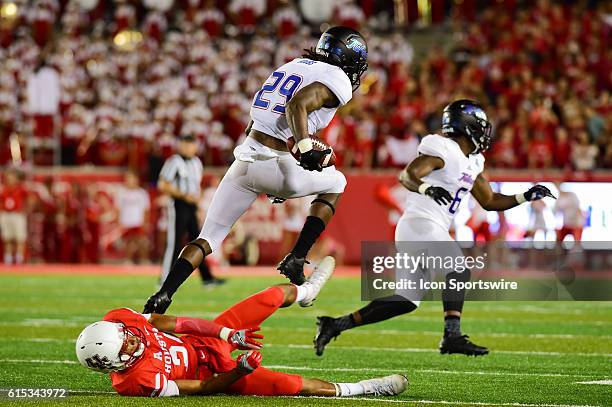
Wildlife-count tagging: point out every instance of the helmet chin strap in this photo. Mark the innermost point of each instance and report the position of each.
(476, 147)
(140, 350)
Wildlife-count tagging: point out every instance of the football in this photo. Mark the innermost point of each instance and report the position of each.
(318, 144)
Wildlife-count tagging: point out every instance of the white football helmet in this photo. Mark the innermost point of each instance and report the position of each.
(99, 345)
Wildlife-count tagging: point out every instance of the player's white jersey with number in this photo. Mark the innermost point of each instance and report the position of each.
(457, 177)
(268, 108)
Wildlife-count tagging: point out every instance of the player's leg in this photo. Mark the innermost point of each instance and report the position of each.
(378, 310)
(382, 386)
(205, 273)
(6, 231)
(232, 198)
(328, 185)
(177, 227)
(264, 382)
(21, 231)
(453, 341)
(252, 311)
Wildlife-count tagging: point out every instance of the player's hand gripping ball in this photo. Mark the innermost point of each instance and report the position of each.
(245, 339)
(321, 154)
(248, 362)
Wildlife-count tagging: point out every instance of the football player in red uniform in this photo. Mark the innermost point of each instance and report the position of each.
(145, 357)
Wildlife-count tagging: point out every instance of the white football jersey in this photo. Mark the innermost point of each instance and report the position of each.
(457, 177)
(268, 107)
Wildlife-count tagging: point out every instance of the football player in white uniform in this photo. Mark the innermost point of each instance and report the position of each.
(297, 100)
(448, 168)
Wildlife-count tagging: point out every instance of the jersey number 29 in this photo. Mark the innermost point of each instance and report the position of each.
(287, 88)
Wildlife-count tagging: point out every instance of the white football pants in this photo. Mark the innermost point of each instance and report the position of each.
(422, 235)
(262, 170)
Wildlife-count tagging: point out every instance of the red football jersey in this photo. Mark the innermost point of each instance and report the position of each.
(166, 358)
(12, 199)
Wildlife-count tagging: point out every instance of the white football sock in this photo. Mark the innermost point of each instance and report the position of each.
(18, 259)
(302, 292)
(8, 259)
(349, 389)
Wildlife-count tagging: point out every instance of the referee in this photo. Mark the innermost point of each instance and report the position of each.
(180, 179)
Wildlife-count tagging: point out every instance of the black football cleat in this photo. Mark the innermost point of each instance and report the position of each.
(293, 268)
(461, 344)
(157, 303)
(326, 331)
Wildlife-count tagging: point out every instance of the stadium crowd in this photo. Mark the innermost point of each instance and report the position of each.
(125, 80)
(117, 82)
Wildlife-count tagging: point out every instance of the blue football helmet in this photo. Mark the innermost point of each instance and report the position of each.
(468, 118)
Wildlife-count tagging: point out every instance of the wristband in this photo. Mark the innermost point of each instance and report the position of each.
(423, 187)
(520, 198)
(224, 333)
(304, 145)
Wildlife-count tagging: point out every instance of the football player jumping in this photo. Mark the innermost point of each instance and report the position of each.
(145, 358)
(448, 167)
(298, 99)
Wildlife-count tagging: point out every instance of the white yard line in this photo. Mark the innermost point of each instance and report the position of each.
(344, 369)
(459, 372)
(417, 402)
(428, 350)
(366, 348)
(453, 403)
(383, 400)
(362, 331)
(42, 361)
(603, 382)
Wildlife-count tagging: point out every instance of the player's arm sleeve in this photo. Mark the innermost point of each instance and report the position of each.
(433, 145)
(170, 390)
(168, 171)
(340, 85)
(158, 386)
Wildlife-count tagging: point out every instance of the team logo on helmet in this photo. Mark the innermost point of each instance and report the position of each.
(99, 363)
(358, 47)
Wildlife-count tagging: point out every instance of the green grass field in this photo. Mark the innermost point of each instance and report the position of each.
(539, 351)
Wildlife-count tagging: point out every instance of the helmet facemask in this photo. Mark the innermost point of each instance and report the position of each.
(129, 359)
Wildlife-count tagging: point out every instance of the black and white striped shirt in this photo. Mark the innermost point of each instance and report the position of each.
(184, 174)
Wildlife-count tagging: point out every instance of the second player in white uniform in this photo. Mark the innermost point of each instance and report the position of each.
(447, 170)
(423, 218)
(297, 100)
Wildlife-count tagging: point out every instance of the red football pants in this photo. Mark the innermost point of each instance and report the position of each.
(249, 313)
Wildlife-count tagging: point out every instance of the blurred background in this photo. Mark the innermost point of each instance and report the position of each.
(94, 95)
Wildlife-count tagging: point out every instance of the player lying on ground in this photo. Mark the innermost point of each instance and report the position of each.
(447, 169)
(297, 100)
(145, 358)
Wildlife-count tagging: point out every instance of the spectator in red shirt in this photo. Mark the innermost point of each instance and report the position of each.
(13, 221)
(540, 151)
(562, 148)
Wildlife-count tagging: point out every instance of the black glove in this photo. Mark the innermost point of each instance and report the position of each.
(157, 303)
(538, 192)
(439, 194)
(311, 160)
